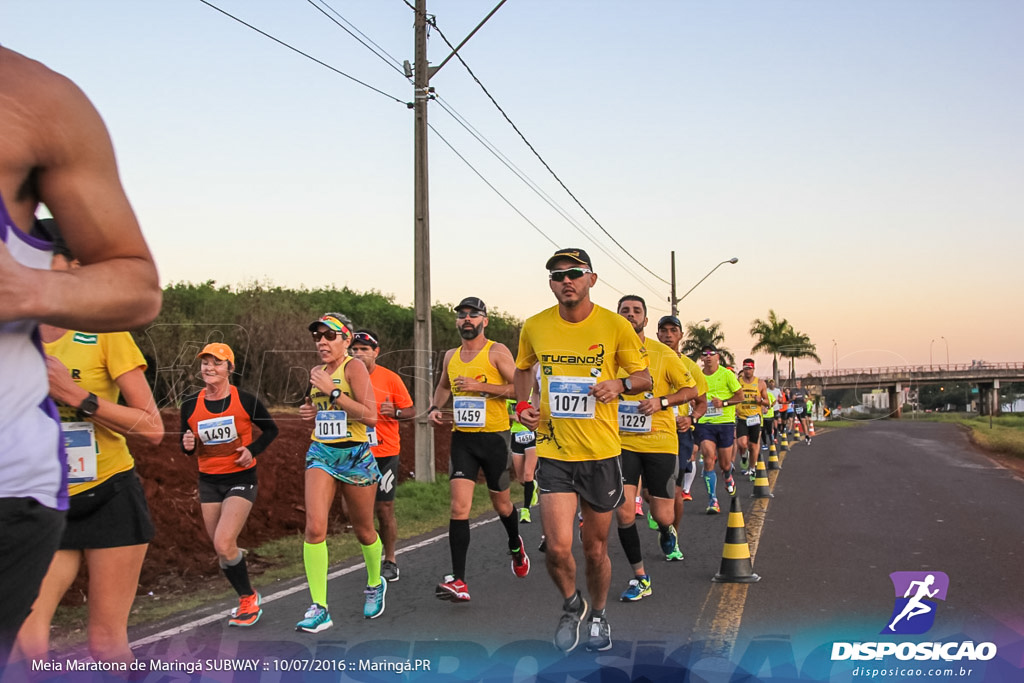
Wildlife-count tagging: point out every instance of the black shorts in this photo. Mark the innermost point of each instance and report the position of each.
(752, 432)
(475, 451)
(110, 515)
(522, 441)
(388, 466)
(215, 488)
(599, 482)
(658, 469)
(29, 536)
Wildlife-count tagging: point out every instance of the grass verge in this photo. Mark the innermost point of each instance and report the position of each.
(1004, 434)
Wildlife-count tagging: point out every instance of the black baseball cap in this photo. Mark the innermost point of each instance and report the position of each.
(669, 320)
(476, 303)
(708, 347)
(573, 254)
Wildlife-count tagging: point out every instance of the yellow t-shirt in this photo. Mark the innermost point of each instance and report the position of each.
(751, 392)
(669, 375)
(355, 431)
(95, 362)
(474, 411)
(698, 377)
(573, 357)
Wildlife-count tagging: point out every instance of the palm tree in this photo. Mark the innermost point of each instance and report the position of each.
(798, 345)
(771, 334)
(698, 335)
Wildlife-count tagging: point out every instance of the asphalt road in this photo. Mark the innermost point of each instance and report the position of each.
(856, 505)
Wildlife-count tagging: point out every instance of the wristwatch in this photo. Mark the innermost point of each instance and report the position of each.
(664, 402)
(88, 406)
(627, 385)
(335, 395)
(398, 413)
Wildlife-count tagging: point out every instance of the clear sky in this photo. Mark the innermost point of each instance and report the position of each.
(863, 159)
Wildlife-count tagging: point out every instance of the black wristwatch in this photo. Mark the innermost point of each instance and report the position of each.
(335, 395)
(664, 402)
(88, 406)
(627, 385)
(398, 413)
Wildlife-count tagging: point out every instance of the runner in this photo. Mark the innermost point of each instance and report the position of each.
(53, 146)
(341, 406)
(524, 461)
(393, 404)
(716, 431)
(108, 523)
(580, 347)
(771, 415)
(670, 333)
(479, 375)
(650, 447)
(748, 417)
(216, 427)
(799, 403)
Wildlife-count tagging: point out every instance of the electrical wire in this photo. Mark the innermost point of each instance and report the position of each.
(541, 159)
(396, 65)
(304, 54)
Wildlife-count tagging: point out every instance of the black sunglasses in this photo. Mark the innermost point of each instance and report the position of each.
(329, 335)
(571, 273)
(462, 315)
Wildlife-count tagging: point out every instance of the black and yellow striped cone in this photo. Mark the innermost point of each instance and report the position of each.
(783, 443)
(761, 489)
(773, 458)
(736, 566)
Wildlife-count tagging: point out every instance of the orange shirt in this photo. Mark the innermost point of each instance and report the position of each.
(388, 386)
(219, 435)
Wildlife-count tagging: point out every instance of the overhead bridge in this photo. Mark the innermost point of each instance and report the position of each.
(987, 377)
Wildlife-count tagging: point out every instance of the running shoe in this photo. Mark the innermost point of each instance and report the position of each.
(535, 498)
(639, 507)
(650, 521)
(316, 619)
(374, 605)
(600, 635)
(668, 540)
(520, 562)
(567, 634)
(452, 589)
(389, 570)
(639, 588)
(687, 496)
(580, 515)
(524, 516)
(744, 462)
(674, 556)
(248, 611)
(713, 508)
(753, 475)
(730, 485)
(808, 441)
(543, 547)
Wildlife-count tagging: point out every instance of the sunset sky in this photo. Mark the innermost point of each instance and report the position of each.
(864, 159)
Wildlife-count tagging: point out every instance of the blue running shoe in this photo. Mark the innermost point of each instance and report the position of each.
(317, 619)
(374, 605)
(668, 540)
(639, 587)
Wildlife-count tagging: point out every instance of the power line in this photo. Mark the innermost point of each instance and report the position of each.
(304, 54)
(541, 159)
(396, 65)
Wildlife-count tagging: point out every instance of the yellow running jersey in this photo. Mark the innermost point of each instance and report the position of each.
(473, 411)
(655, 433)
(698, 377)
(751, 392)
(354, 431)
(573, 357)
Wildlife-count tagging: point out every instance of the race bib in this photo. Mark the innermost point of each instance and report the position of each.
(371, 436)
(331, 425)
(80, 445)
(713, 411)
(631, 419)
(568, 397)
(217, 430)
(753, 420)
(470, 411)
(523, 437)
(799, 410)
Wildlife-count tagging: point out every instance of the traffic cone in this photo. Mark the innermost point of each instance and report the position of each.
(736, 566)
(797, 427)
(773, 459)
(783, 443)
(761, 489)
(811, 427)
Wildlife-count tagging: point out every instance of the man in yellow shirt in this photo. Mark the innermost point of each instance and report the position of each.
(581, 348)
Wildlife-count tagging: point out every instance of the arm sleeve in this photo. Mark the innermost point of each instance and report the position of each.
(261, 419)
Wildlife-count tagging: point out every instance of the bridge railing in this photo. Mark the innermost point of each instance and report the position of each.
(980, 367)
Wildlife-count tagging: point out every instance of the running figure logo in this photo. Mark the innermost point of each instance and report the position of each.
(914, 612)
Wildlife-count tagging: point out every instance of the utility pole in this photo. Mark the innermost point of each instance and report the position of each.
(672, 299)
(423, 390)
(424, 354)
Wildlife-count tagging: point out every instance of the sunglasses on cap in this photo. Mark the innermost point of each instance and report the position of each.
(709, 353)
(462, 315)
(329, 335)
(365, 338)
(571, 273)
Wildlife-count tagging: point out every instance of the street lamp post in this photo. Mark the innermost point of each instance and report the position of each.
(674, 301)
(947, 352)
(835, 357)
(930, 354)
